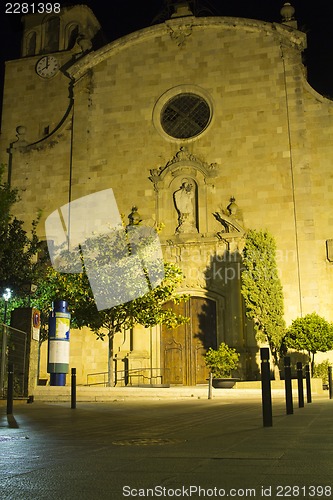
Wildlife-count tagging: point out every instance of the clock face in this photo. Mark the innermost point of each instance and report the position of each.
(47, 66)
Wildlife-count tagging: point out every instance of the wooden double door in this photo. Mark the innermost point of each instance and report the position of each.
(183, 348)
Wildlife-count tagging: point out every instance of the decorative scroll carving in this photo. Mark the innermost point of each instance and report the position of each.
(229, 224)
(183, 158)
(20, 143)
(180, 34)
(230, 220)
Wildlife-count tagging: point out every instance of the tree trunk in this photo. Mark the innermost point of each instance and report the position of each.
(276, 372)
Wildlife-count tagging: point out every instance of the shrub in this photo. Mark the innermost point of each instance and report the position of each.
(321, 370)
(222, 361)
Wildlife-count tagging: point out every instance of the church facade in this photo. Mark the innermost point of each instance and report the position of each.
(206, 124)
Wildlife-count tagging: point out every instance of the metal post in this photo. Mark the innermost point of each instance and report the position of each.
(10, 389)
(3, 358)
(300, 385)
(308, 384)
(266, 388)
(288, 386)
(330, 384)
(7, 295)
(115, 380)
(210, 385)
(73, 388)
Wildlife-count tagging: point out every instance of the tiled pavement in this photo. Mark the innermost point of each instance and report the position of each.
(150, 448)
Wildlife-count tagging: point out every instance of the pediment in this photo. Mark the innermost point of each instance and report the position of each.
(183, 162)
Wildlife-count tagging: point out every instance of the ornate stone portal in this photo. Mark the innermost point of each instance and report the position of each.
(181, 187)
(208, 255)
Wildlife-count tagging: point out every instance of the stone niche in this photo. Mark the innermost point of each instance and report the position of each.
(182, 187)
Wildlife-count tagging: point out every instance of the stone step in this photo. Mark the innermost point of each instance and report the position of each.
(97, 393)
(83, 393)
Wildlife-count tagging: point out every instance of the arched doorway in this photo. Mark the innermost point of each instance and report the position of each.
(183, 348)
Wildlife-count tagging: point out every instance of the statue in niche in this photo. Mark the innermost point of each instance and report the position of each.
(185, 203)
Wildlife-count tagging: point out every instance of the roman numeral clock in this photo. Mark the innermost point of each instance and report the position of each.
(47, 67)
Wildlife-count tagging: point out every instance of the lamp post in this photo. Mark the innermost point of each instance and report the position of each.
(7, 295)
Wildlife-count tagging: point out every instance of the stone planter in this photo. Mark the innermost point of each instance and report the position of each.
(224, 383)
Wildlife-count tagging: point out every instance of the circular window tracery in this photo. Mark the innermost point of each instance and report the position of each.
(185, 116)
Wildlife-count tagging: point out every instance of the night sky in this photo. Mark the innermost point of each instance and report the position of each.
(120, 17)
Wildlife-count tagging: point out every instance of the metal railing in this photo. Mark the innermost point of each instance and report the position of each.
(99, 378)
(13, 349)
(133, 377)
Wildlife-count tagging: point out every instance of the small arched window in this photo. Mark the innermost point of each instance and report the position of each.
(30, 48)
(52, 33)
(72, 34)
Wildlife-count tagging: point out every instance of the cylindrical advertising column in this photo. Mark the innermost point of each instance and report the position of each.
(58, 345)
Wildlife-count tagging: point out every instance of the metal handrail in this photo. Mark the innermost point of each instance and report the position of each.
(105, 376)
(127, 375)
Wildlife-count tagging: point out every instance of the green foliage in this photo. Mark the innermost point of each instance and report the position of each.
(262, 289)
(311, 333)
(147, 310)
(320, 370)
(18, 248)
(71, 287)
(222, 361)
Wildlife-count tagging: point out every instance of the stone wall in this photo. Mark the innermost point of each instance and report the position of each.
(267, 144)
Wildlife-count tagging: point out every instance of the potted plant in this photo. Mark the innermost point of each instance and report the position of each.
(221, 362)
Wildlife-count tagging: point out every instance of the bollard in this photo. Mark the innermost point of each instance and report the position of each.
(288, 386)
(300, 385)
(266, 388)
(308, 384)
(210, 386)
(73, 388)
(330, 385)
(10, 389)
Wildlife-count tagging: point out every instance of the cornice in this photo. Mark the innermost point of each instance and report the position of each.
(184, 26)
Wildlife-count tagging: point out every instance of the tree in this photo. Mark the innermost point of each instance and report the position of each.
(262, 290)
(18, 248)
(311, 333)
(147, 309)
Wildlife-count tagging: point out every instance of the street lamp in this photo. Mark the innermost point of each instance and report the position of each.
(7, 295)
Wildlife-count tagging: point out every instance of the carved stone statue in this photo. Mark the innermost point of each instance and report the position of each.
(230, 219)
(185, 203)
(134, 217)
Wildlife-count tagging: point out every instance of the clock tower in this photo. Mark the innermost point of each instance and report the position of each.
(37, 90)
